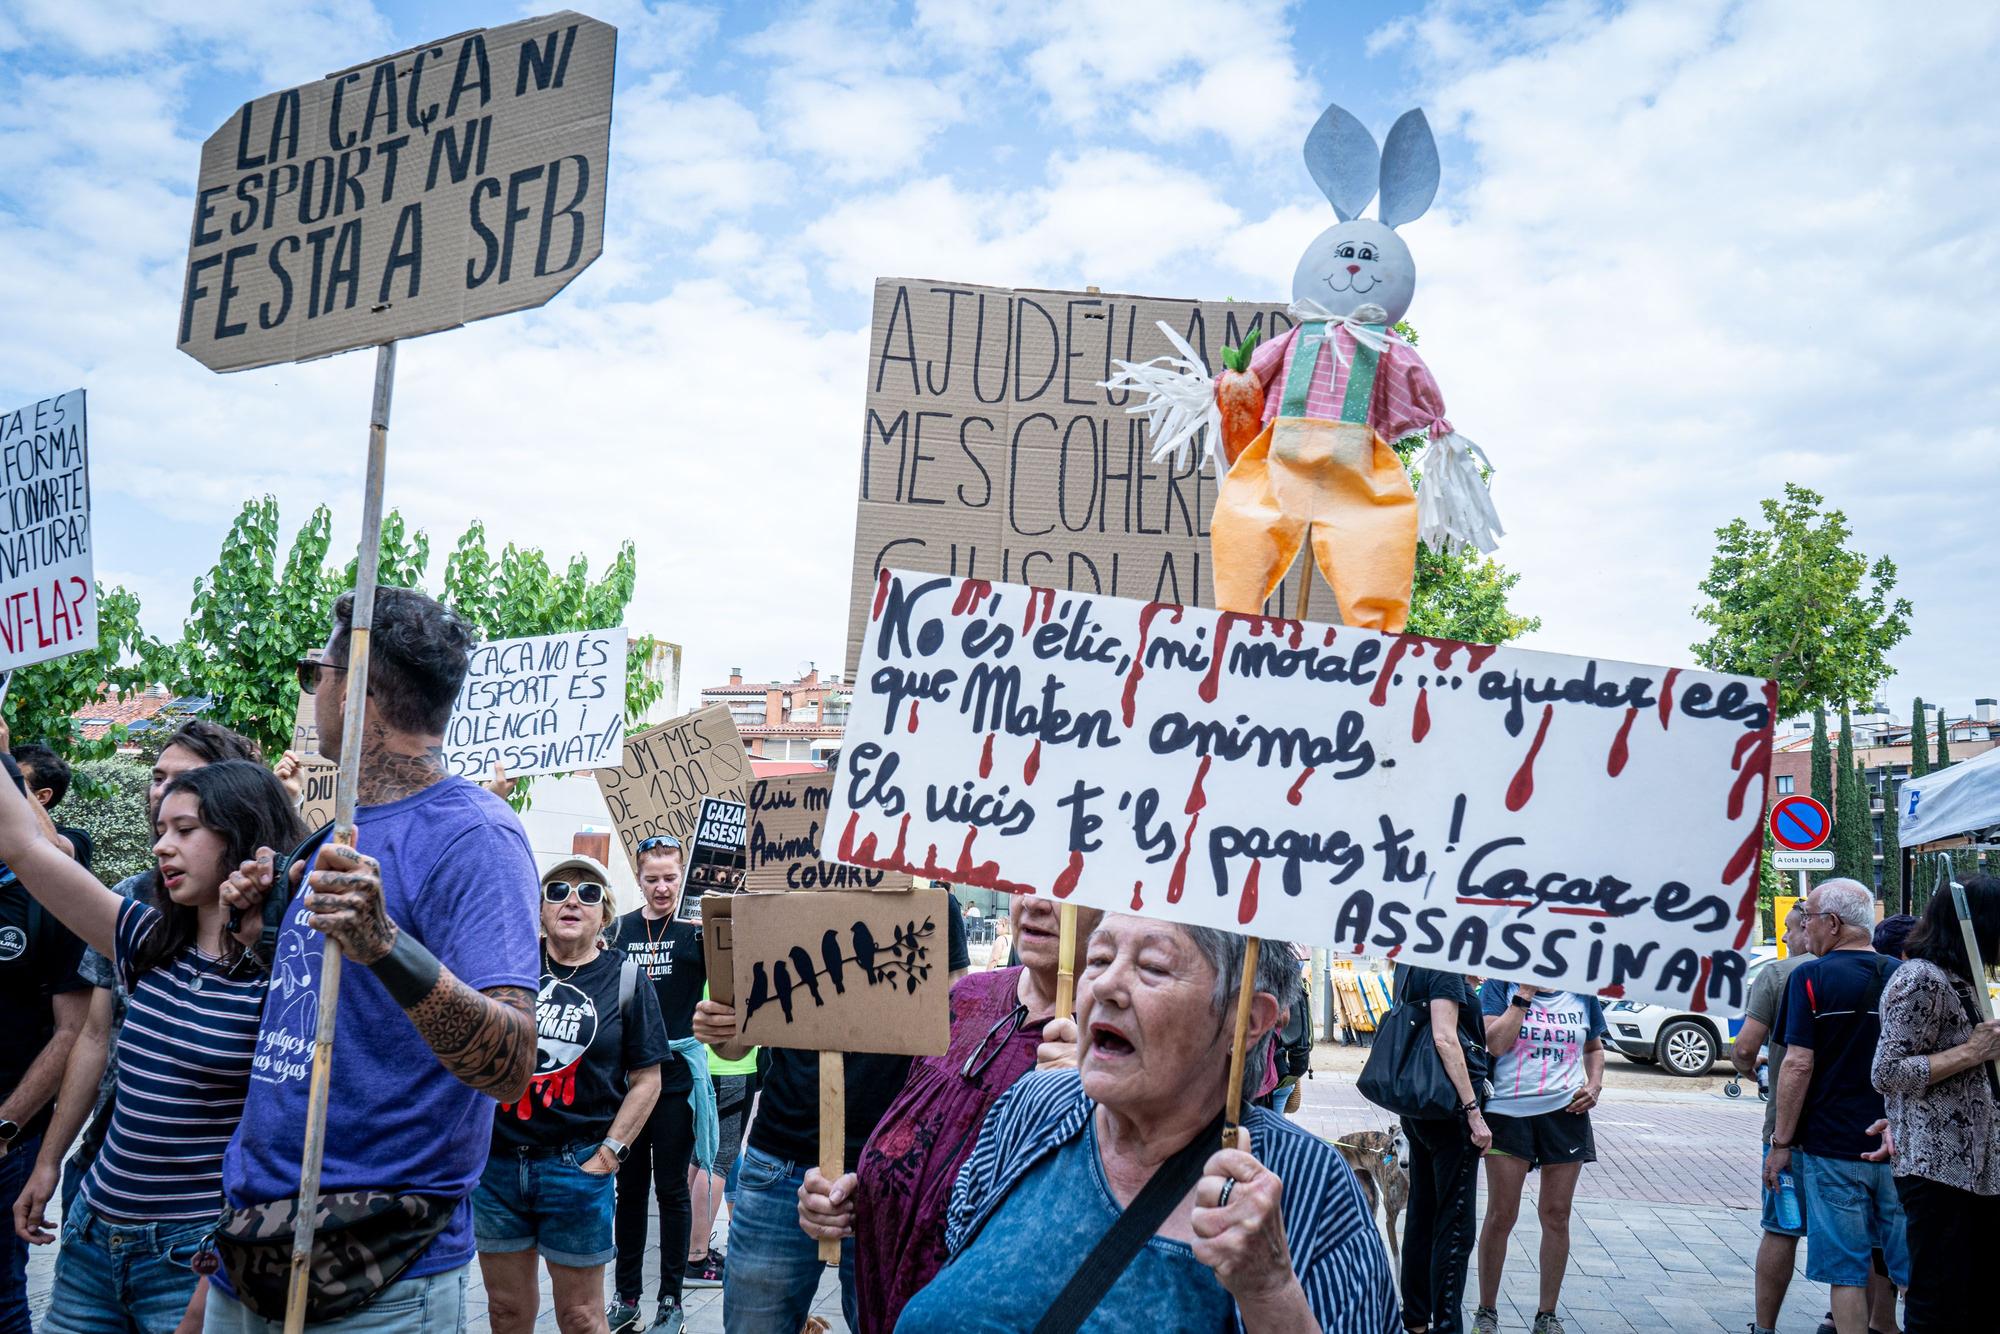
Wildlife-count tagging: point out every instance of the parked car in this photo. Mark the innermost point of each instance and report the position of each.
(1684, 1042)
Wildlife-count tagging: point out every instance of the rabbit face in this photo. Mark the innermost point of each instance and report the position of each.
(1355, 264)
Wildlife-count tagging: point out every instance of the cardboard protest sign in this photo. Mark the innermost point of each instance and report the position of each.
(317, 774)
(718, 935)
(1580, 823)
(787, 824)
(459, 179)
(541, 705)
(989, 449)
(667, 770)
(48, 591)
(843, 971)
(714, 856)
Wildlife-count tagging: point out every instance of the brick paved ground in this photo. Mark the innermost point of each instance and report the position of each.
(1662, 1237)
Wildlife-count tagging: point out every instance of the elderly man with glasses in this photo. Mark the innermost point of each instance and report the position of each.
(1828, 1108)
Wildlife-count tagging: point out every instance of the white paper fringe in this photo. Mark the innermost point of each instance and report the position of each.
(1178, 401)
(1454, 507)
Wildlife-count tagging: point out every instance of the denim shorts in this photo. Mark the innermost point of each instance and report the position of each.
(533, 1200)
(1854, 1209)
(1769, 1222)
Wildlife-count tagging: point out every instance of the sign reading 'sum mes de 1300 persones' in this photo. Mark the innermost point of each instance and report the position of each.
(1575, 822)
(459, 179)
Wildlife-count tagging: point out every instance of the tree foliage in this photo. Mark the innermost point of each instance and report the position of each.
(1464, 596)
(1892, 852)
(1920, 743)
(108, 801)
(253, 617)
(1793, 602)
(1822, 762)
(1944, 740)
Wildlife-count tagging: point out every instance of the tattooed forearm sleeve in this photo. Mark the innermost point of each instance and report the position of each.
(485, 1038)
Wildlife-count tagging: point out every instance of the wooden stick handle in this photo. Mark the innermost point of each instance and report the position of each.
(1066, 962)
(1978, 967)
(1232, 1118)
(1306, 568)
(832, 1133)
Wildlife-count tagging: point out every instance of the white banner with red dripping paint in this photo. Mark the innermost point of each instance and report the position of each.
(1580, 823)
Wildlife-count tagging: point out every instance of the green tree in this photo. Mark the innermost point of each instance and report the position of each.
(42, 700)
(1892, 852)
(1920, 743)
(1792, 602)
(1944, 737)
(108, 801)
(1464, 596)
(1853, 833)
(1822, 762)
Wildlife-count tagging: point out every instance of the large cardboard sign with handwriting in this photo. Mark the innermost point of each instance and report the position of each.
(843, 971)
(48, 591)
(545, 704)
(989, 450)
(667, 770)
(787, 825)
(459, 179)
(1575, 822)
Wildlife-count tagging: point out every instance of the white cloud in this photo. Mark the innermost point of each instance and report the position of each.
(1167, 70)
(1076, 228)
(284, 42)
(650, 34)
(685, 158)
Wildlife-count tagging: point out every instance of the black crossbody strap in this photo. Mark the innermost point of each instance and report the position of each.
(282, 891)
(1133, 1229)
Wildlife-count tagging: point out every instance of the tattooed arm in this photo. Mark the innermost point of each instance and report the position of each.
(485, 1038)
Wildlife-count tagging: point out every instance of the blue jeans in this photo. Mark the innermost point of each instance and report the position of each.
(774, 1267)
(546, 1202)
(434, 1304)
(116, 1278)
(15, 1168)
(1853, 1209)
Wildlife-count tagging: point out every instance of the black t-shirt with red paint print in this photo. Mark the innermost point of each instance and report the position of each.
(584, 1049)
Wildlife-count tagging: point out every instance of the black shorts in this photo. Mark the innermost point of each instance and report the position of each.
(1553, 1138)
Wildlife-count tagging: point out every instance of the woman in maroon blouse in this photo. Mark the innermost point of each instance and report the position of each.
(895, 1200)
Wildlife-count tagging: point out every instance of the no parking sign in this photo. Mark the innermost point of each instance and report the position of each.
(1800, 823)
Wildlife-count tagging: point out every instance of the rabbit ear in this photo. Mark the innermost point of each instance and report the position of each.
(1409, 169)
(1340, 154)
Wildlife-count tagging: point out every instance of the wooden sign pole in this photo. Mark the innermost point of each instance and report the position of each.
(1066, 962)
(832, 1133)
(346, 794)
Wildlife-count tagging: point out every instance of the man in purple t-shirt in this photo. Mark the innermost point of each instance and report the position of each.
(438, 908)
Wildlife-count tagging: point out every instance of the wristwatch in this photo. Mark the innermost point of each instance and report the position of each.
(618, 1150)
(9, 1132)
(1518, 999)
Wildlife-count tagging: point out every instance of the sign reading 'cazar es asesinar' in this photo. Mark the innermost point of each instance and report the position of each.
(459, 179)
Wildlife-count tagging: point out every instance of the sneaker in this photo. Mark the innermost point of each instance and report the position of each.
(1546, 1323)
(1485, 1320)
(670, 1320)
(622, 1316)
(707, 1274)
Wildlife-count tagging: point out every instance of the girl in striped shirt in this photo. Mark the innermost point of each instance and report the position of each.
(195, 993)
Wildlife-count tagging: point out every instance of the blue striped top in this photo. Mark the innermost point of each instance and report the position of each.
(183, 1066)
(1336, 1252)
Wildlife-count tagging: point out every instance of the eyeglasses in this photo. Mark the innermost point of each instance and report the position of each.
(996, 1041)
(309, 673)
(589, 893)
(659, 841)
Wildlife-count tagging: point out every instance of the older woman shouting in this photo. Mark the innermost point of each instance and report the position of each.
(1097, 1200)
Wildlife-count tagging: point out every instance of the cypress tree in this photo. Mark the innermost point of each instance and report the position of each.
(1892, 852)
(1920, 741)
(1944, 734)
(1852, 837)
(1822, 761)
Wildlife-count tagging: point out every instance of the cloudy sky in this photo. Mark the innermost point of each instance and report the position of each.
(1683, 253)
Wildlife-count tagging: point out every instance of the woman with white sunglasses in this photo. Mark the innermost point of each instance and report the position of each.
(548, 1187)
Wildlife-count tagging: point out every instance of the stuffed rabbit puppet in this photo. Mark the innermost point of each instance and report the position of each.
(1337, 390)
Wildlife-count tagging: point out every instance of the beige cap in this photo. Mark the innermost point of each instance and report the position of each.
(579, 861)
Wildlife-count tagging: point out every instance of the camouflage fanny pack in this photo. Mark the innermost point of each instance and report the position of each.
(363, 1240)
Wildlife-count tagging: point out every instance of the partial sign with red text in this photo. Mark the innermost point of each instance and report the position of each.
(48, 595)
(1579, 823)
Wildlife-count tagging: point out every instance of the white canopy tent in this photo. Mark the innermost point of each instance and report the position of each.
(1958, 802)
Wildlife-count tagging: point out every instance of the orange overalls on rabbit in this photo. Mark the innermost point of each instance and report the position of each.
(1340, 478)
